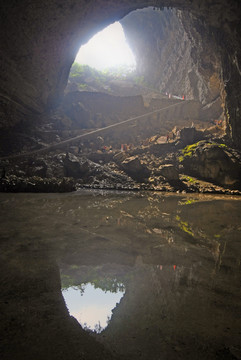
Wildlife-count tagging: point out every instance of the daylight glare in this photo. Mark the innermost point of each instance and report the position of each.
(106, 49)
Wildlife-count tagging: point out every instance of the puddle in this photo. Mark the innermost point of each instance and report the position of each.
(91, 306)
(177, 260)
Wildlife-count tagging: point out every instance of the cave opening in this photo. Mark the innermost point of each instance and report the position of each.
(153, 48)
(107, 49)
(167, 68)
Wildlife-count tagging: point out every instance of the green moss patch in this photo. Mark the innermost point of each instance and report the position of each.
(189, 150)
(184, 226)
(188, 202)
(189, 179)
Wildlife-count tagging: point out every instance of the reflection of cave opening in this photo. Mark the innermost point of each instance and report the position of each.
(91, 306)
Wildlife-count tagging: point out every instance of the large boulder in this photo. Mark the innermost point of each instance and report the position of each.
(134, 168)
(88, 172)
(74, 167)
(213, 162)
(189, 135)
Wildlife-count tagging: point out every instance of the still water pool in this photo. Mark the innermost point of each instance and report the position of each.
(167, 265)
(91, 306)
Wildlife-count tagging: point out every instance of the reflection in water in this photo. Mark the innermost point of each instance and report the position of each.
(91, 306)
(177, 258)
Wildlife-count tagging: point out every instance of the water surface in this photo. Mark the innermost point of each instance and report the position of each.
(91, 306)
(176, 257)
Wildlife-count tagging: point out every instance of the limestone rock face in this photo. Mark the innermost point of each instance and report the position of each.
(84, 106)
(213, 162)
(39, 42)
(168, 171)
(169, 54)
(186, 52)
(77, 112)
(189, 135)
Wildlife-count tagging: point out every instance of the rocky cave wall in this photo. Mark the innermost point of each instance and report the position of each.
(172, 55)
(41, 39)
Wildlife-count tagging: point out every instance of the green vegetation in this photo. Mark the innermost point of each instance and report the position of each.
(139, 80)
(93, 276)
(82, 86)
(189, 150)
(66, 281)
(105, 284)
(180, 158)
(80, 72)
(219, 145)
(183, 225)
(120, 72)
(188, 202)
(82, 75)
(189, 179)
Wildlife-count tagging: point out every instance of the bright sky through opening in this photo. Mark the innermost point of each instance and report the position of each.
(93, 306)
(106, 49)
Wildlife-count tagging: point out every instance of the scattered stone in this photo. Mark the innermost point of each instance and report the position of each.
(74, 167)
(133, 167)
(186, 163)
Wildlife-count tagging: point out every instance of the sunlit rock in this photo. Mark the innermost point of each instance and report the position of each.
(213, 162)
(168, 171)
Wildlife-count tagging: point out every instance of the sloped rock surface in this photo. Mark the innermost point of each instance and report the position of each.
(134, 167)
(168, 54)
(213, 162)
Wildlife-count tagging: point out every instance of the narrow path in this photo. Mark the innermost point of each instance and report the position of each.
(73, 139)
